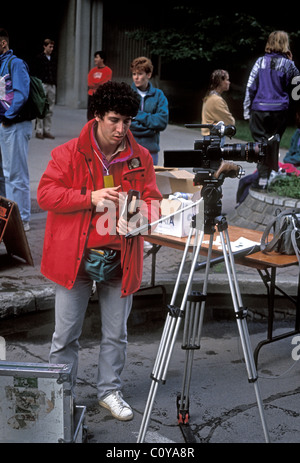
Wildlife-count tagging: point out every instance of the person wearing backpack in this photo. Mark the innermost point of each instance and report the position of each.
(15, 131)
(45, 70)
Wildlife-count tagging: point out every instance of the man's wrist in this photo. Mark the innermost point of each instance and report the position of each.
(92, 198)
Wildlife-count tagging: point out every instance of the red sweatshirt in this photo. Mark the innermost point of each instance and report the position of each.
(98, 76)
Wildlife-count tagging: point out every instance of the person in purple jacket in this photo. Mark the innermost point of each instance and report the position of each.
(268, 93)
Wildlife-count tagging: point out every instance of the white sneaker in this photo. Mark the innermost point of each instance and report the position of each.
(117, 406)
(26, 226)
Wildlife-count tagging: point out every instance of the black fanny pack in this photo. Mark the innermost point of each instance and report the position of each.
(102, 264)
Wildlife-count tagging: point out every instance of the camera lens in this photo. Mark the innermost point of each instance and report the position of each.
(249, 152)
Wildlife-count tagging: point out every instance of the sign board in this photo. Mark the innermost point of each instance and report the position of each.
(12, 231)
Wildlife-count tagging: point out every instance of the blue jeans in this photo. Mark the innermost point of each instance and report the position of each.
(70, 309)
(14, 174)
(155, 158)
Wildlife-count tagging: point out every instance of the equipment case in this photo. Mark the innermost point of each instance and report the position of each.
(36, 404)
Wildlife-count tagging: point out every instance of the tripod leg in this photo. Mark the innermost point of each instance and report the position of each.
(169, 335)
(168, 323)
(193, 323)
(240, 314)
(197, 240)
(191, 342)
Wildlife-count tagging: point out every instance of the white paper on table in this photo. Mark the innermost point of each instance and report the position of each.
(241, 244)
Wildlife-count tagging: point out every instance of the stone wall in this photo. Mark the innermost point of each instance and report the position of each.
(259, 209)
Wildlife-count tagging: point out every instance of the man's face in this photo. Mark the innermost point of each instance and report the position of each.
(112, 129)
(98, 61)
(3, 46)
(48, 49)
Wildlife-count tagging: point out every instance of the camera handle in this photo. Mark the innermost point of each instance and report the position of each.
(228, 169)
(217, 129)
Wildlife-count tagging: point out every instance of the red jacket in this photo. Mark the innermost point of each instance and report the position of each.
(65, 192)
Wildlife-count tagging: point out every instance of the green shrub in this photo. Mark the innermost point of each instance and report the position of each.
(286, 186)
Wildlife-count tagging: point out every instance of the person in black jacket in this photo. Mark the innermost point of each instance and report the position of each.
(45, 69)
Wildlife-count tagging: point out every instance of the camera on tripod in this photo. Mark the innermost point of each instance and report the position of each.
(212, 163)
(209, 162)
(209, 153)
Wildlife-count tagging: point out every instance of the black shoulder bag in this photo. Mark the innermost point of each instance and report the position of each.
(286, 234)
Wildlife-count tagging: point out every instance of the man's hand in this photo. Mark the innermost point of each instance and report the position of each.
(105, 196)
(125, 227)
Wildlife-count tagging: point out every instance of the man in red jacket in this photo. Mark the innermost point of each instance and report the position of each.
(83, 190)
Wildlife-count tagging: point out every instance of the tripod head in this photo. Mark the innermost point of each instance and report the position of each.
(211, 191)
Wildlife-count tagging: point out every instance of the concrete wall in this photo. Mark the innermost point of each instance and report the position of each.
(82, 31)
(80, 36)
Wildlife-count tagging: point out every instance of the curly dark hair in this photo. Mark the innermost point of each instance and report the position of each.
(115, 96)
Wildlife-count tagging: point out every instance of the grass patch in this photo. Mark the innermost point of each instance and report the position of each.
(243, 133)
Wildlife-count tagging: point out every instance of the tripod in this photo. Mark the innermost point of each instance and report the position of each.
(193, 303)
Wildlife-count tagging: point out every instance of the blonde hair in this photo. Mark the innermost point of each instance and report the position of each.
(142, 64)
(278, 42)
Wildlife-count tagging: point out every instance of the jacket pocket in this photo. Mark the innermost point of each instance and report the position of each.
(134, 179)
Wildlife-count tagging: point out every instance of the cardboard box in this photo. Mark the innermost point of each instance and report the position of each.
(178, 224)
(171, 180)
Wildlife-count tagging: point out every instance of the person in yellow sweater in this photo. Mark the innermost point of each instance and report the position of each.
(215, 108)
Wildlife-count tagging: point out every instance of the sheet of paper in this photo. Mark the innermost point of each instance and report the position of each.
(239, 245)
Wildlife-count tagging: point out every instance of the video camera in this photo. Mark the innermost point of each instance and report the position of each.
(212, 163)
(208, 153)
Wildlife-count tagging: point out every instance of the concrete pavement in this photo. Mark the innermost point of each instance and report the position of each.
(223, 406)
